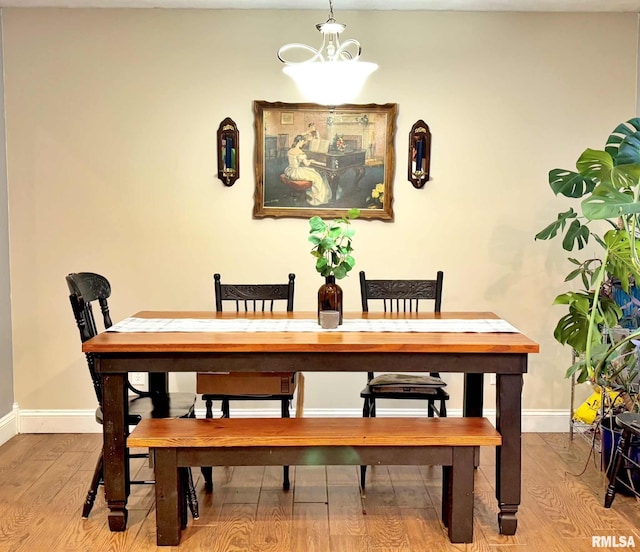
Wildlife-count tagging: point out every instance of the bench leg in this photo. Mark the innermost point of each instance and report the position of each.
(446, 492)
(457, 495)
(168, 501)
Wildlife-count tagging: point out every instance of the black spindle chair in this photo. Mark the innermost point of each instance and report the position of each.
(402, 296)
(247, 298)
(85, 289)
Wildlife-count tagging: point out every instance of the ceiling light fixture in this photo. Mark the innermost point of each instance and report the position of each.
(332, 75)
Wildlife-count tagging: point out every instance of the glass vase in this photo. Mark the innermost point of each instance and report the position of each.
(330, 297)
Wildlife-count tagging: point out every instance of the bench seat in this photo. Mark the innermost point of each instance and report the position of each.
(450, 442)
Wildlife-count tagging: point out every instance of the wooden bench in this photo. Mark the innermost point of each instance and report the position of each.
(449, 442)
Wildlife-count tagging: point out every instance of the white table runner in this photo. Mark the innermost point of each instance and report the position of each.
(299, 325)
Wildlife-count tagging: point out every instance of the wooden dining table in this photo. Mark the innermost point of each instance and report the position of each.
(161, 352)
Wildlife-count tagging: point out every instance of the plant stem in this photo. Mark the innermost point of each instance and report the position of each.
(592, 315)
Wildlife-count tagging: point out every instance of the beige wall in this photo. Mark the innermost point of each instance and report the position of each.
(111, 121)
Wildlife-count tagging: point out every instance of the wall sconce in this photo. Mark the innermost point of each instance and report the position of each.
(419, 154)
(228, 152)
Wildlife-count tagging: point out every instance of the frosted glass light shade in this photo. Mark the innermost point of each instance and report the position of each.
(330, 82)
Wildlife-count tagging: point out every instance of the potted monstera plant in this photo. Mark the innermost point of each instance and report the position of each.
(606, 185)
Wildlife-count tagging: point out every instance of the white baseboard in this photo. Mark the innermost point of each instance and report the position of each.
(9, 425)
(83, 421)
(59, 421)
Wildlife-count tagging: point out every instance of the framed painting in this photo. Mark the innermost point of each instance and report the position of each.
(317, 160)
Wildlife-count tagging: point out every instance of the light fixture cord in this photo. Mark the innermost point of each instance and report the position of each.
(331, 11)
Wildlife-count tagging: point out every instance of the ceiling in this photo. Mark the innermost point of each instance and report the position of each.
(422, 5)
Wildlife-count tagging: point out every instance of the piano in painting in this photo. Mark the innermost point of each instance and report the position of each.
(335, 163)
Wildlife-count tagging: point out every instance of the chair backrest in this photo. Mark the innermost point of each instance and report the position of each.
(84, 289)
(401, 295)
(254, 297)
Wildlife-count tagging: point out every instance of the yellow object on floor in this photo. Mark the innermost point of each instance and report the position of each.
(588, 410)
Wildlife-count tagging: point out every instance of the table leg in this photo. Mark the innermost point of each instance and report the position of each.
(116, 462)
(158, 383)
(473, 402)
(473, 395)
(508, 456)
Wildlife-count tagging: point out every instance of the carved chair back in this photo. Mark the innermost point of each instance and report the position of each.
(254, 297)
(401, 295)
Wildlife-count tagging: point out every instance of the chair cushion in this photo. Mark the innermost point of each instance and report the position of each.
(389, 383)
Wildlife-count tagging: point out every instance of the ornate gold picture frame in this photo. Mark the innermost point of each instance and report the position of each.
(317, 160)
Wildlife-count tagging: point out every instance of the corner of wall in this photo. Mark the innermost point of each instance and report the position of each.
(9, 425)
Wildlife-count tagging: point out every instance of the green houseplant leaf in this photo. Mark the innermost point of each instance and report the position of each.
(569, 183)
(607, 202)
(552, 230)
(332, 244)
(618, 136)
(595, 165)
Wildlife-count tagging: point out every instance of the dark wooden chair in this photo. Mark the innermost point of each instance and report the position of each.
(247, 298)
(85, 289)
(402, 296)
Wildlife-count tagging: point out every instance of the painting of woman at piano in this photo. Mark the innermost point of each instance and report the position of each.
(311, 160)
(299, 169)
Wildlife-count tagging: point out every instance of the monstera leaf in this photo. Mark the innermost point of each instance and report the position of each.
(577, 233)
(595, 165)
(623, 145)
(552, 230)
(621, 262)
(573, 328)
(569, 183)
(607, 202)
(586, 370)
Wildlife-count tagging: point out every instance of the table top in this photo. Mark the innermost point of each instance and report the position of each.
(310, 342)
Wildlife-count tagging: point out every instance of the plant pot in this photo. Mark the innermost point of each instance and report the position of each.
(610, 434)
(330, 297)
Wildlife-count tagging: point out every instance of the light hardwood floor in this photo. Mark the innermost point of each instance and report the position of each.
(44, 478)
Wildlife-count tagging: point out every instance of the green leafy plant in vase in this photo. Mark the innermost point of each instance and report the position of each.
(332, 249)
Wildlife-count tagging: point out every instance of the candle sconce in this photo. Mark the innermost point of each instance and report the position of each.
(419, 154)
(228, 152)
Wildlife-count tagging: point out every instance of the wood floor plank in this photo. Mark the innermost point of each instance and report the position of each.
(231, 533)
(348, 543)
(345, 511)
(424, 529)
(311, 527)
(408, 487)
(383, 518)
(244, 485)
(273, 526)
(310, 484)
